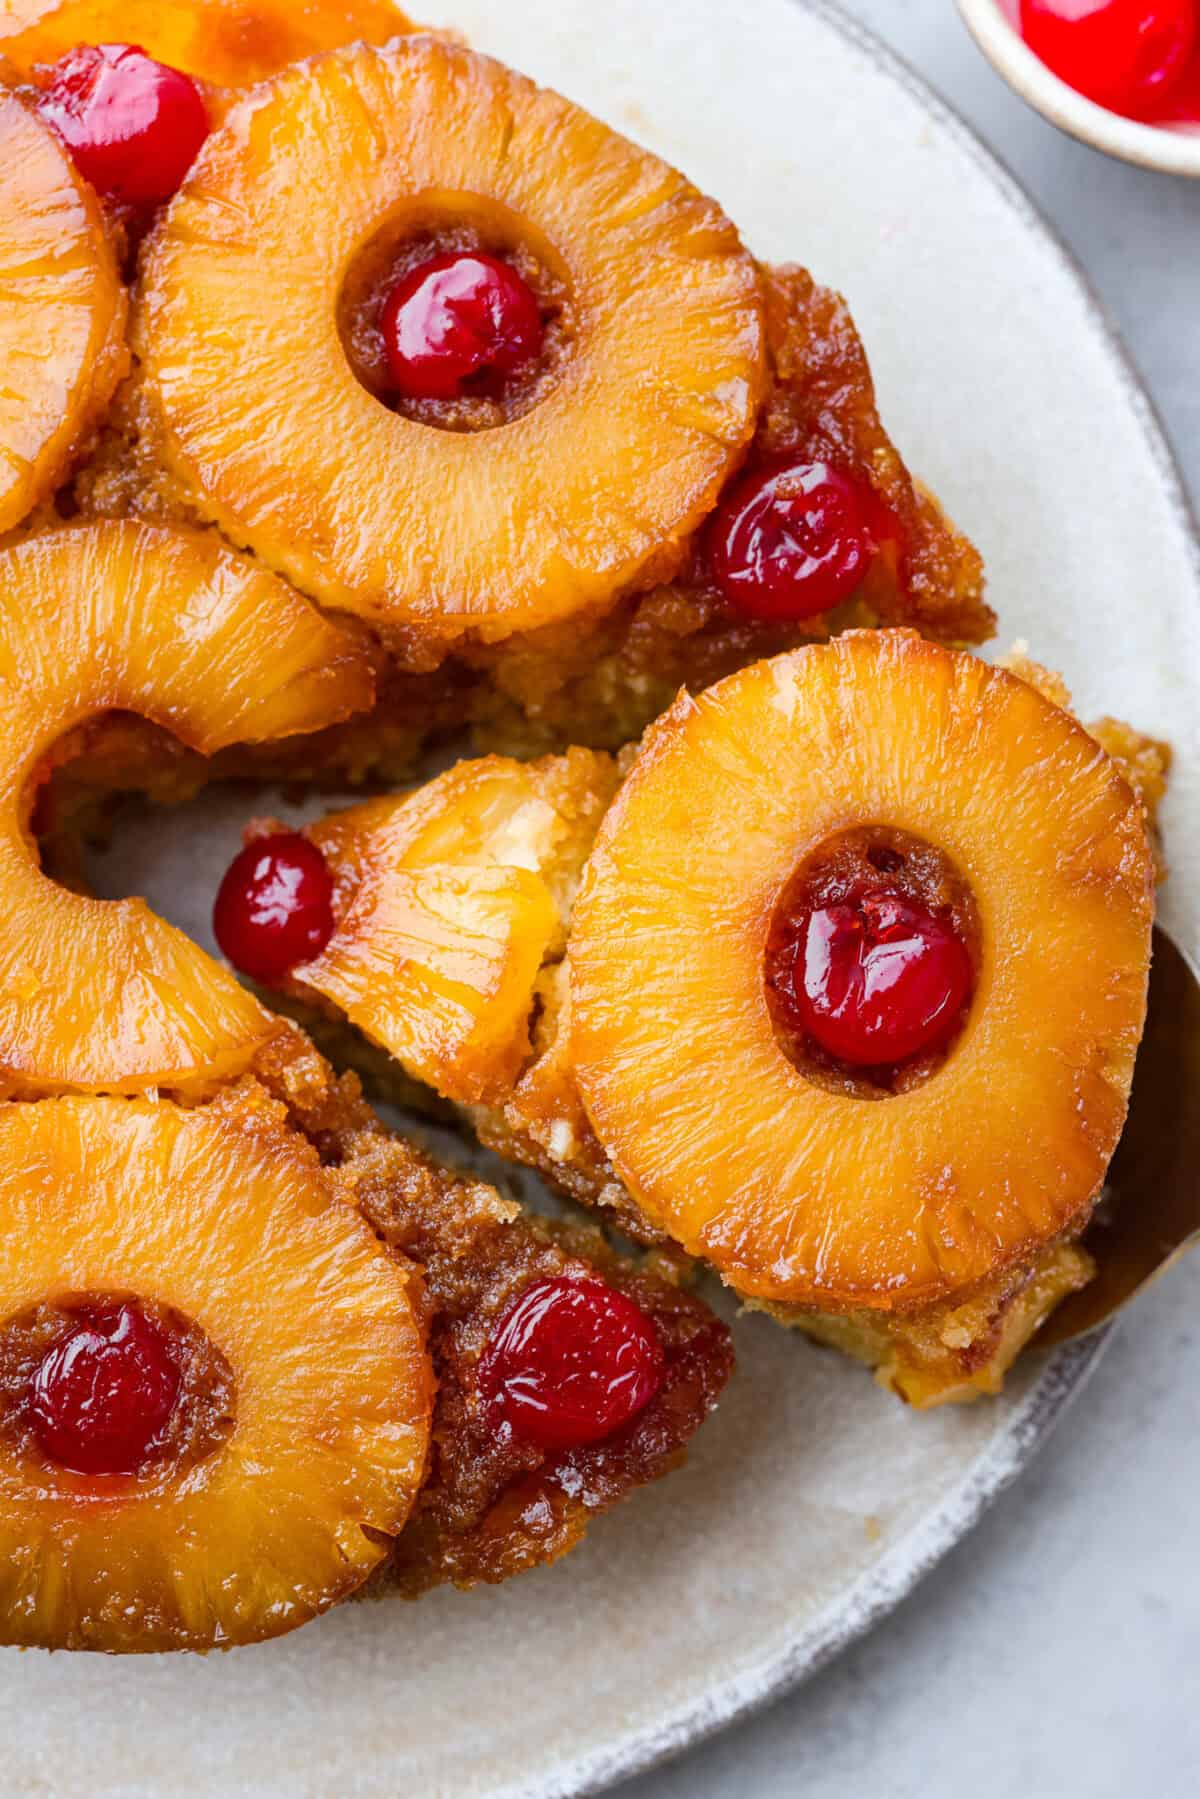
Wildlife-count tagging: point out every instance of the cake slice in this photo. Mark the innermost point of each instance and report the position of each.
(672, 1068)
(496, 1499)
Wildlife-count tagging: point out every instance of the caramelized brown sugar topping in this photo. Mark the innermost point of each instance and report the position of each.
(600, 682)
(490, 1505)
(822, 407)
(805, 1195)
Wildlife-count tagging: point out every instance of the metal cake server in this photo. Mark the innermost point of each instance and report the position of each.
(1150, 1213)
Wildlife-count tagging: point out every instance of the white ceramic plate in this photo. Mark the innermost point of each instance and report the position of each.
(812, 1502)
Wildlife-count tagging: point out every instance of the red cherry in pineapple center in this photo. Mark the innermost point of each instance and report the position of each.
(1127, 55)
(459, 323)
(570, 1362)
(872, 981)
(274, 907)
(133, 125)
(104, 1394)
(790, 541)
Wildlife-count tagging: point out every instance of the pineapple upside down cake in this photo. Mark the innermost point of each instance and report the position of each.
(509, 437)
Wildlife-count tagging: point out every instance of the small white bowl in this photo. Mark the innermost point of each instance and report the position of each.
(1173, 149)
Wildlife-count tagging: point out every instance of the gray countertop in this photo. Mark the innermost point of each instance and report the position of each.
(1056, 1653)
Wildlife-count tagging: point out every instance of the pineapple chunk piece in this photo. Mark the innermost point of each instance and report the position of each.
(268, 432)
(123, 617)
(231, 43)
(62, 312)
(243, 1233)
(449, 902)
(797, 1192)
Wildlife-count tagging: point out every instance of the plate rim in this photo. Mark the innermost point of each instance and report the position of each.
(882, 1588)
(852, 1613)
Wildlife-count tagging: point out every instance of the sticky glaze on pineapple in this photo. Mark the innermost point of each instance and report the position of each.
(62, 338)
(260, 1513)
(802, 1195)
(451, 902)
(105, 618)
(589, 490)
(520, 1079)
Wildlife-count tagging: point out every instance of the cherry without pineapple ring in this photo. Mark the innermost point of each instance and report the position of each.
(274, 907)
(1127, 55)
(569, 1363)
(133, 125)
(790, 541)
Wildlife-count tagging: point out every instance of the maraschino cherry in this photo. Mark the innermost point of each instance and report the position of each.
(104, 1394)
(569, 1363)
(133, 125)
(872, 981)
(790, 541)
(274, 907)
(458, 323)
(1127, 55)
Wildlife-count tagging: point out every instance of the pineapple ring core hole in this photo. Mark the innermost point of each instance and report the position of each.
(454, 224)
(205, 1411)
(850, 864)
(88, 777)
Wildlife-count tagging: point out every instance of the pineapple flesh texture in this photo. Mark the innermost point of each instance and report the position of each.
(449, 905)
(62, 312)
(230, 43)
(265, 430)
(241, 1231)
(805, 1196)
(166, 624)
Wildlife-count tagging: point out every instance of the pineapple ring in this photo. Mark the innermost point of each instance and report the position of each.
(62, 311)
(244, 1234)
(800, 1194)
(556, 510)
(102, 994)
(231, 43)
(449, 901)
